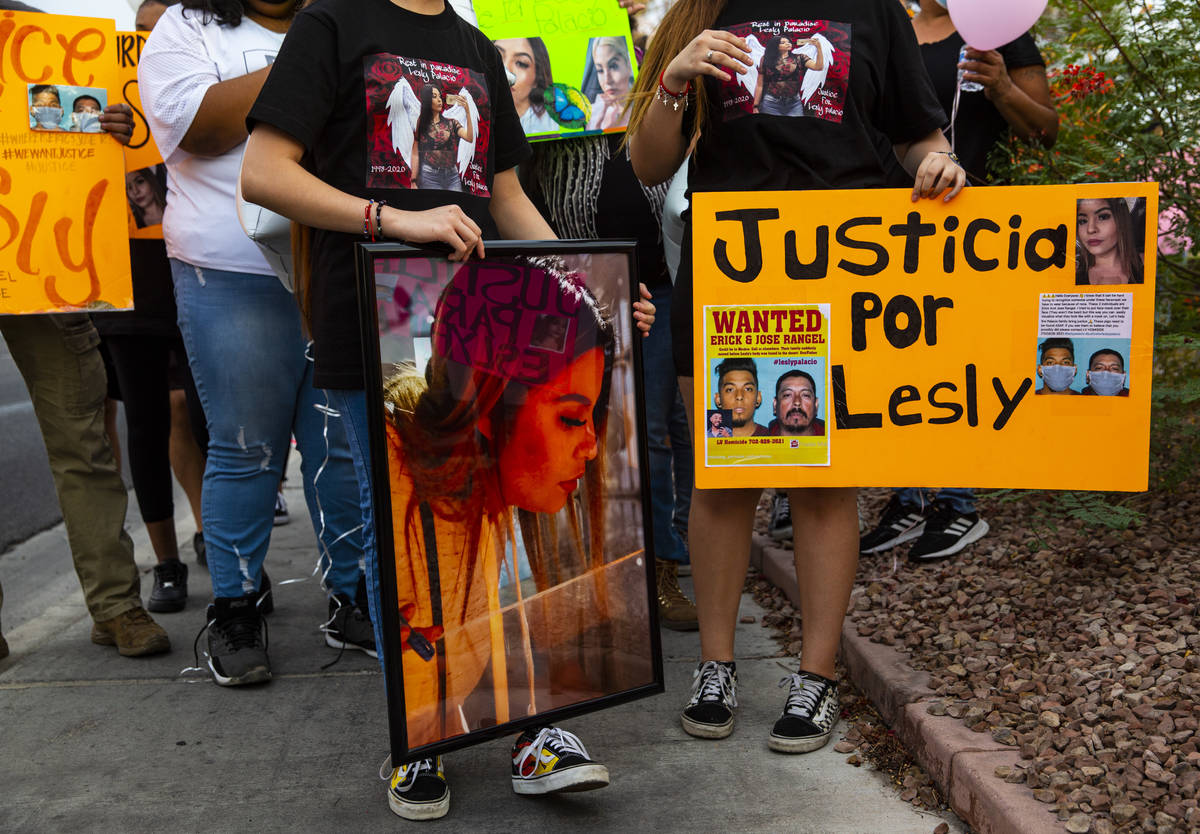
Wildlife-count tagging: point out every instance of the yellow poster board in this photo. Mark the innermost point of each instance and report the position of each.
(145, 173)
(1003, 339)
(63, 239)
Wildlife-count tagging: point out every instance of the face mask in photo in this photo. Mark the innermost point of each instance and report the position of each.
(1105, 383)
(1058, 377)
(47, 117)
(85, 121)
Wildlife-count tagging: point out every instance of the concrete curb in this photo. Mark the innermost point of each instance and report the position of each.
(960, 762)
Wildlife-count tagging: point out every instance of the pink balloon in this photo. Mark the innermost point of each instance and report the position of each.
(989, 24)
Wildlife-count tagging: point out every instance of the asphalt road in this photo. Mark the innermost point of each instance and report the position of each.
(28, 504)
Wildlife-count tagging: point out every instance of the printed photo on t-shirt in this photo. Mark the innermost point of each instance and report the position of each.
(428, 125)
(800, 68)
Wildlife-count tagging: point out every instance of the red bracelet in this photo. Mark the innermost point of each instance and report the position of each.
(665, 89)
(368, 232)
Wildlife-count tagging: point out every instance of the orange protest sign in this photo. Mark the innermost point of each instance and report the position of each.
(145, 173)
(856, 338)
(63, 241)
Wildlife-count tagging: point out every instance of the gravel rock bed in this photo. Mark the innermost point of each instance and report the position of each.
(1079, 647)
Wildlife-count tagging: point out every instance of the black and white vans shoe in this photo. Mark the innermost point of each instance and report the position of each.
(811, 711)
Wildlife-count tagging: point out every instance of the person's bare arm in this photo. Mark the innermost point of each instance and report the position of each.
(220, 123)
(1022, 95)
(515, 215)
(658, 147)
(273, 177)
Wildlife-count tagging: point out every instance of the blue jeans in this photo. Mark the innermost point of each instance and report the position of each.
(246, 350)
(352, 405)
(670, 463)
(781, 106)
(962, 501)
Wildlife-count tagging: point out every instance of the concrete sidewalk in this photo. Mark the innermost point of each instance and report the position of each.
(93, 742)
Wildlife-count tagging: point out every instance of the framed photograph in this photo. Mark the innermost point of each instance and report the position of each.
(511, 498)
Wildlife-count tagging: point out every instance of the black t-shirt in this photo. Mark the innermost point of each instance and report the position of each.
(873, 93)
(350, 83)
(978, 124)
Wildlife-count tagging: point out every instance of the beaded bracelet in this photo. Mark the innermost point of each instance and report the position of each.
(379, 204)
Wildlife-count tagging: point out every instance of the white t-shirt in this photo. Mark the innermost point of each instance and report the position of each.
(182, 58)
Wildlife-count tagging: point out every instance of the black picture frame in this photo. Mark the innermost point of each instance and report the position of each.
(369, 259)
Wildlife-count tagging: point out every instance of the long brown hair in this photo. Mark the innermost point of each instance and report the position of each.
(683, 22)
(1128, 256)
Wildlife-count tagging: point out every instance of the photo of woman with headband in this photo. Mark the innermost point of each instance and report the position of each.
(1107, 249)
(496, 465)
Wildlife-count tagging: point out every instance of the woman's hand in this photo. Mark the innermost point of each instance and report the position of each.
(632, 8)
(644, 310)
(937, 172)
(987, 68)
(712, 52)
(445, 224)
(117, 121)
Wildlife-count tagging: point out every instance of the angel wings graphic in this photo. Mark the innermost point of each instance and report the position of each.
(404, 113)
(813, 79)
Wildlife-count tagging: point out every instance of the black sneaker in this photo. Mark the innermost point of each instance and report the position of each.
(709, 714)
(946, 532)
(897, 525)
(170, 587)
(811, 711)
(237, 642)
(200, 550)
(781, 517)
(551, 760)
(417, 790)
(349, 626)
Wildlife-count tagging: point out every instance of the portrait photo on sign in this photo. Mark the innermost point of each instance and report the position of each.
(534, 91)
(428, 125)
(1110, 240)
(511, 502)
(607, 80)
(61, 108)
(799, 68)
(146, 191)
(1089, 366)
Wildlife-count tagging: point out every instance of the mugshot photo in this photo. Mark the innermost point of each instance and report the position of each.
(770, 397)
(62, 108)
(1091, 366)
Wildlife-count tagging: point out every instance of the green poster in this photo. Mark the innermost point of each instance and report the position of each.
(571, 62)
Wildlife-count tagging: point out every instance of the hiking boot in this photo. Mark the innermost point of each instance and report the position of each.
(709, 713)
(349, 626)
(237, 642)
(170, 587)
(675, 610)
(199, 548)
(281, 510)
(780, 526)
(897, 524)
(551, 760)
(811, 711)
(947, 531)
(417, 790)
(133, 632)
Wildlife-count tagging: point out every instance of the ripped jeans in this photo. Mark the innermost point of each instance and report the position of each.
(246, 350)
